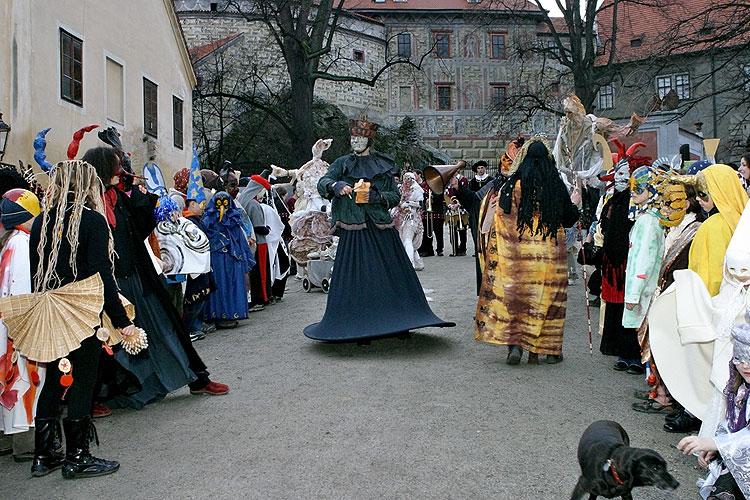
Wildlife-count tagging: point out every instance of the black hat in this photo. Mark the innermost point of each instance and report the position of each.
(480, 163)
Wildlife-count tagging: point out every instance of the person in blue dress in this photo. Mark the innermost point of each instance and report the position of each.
(231, 260)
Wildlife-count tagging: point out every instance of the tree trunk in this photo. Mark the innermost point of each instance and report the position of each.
(301, 103)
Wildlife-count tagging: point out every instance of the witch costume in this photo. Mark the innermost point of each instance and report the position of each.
(374, 290)
(231, 259)
(523, 297)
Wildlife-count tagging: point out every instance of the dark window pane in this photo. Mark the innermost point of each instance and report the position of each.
(404, 44)
(443, 45)
(498, 46)
(150, 123)
(71, 68)
(177, 121)
(444, 98)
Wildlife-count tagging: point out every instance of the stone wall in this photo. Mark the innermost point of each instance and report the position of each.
(470, 130)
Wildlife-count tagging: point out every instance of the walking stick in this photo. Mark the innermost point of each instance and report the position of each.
(586, 289)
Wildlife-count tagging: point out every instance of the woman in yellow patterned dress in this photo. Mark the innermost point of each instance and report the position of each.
(522, 300)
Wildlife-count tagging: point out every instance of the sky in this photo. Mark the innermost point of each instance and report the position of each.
(551, 5)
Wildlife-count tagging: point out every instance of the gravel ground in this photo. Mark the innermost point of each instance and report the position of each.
(436, 416)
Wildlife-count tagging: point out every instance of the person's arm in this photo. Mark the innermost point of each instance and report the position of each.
(141, 209)
(97, 235)
(330, 184)
(643, 236)
(389, 196)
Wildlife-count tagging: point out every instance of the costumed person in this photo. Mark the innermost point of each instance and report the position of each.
(681, 215)
(689, 333)
(433, 222)
(726, 453)
(171, 361)
(278, 255)
(374, 290)
(481, 177)
(407, 220)
(615, 228)
(21, 379)
(198, 286)
(71, 258)
(260, 275)
(644, 258)
(457, 216)
(722, 197)
(231, 260)
(309, 220)
(523, 298)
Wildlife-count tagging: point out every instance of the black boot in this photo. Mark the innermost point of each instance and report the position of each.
(514, 354)
(46, 459)
(78, 461)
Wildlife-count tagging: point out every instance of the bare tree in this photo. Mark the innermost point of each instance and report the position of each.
(303, 33)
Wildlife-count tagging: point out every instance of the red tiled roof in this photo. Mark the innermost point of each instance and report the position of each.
(439, 5)
(645, 31)
(558, 22)
(201, 51)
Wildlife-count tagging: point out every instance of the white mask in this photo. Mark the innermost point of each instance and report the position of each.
(738, 264)
(359, 144)
(622, 176)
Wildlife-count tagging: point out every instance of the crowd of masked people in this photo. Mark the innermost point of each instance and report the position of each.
(96, 218)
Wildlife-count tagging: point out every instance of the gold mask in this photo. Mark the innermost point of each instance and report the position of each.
(674, 204)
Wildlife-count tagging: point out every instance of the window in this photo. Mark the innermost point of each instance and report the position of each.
(444, 98)
(405, 98)
(606, 97)
(177, 121)
(115, 90)
(679, 82)
(403, 43)
(71, 68)
(498, 93)
(497, 46)
(553, 48)
(746, 75)
(358, 56)
(443, 45)
(637, 42)
(150, 123)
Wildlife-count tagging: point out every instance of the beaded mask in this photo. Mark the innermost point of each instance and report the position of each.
(674, 204)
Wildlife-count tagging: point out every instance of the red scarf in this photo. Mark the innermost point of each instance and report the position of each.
(110, 200)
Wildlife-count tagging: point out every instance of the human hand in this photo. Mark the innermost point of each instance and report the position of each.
(142, 188)
(630, 306)
(129, 331)
(346, 190)
(575, 197)
(693, 444)
(704, 457)
(494, 202)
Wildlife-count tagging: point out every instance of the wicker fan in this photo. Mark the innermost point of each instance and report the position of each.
(47, 326)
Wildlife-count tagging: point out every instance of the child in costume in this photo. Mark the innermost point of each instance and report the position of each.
(727, 453)
(231, 260)
(645, 255)
(21, 379)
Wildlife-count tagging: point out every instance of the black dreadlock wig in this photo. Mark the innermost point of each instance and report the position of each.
(10, 178)
(543, 193)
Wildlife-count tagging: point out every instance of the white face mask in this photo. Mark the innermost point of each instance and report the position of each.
(738, 264)
(358, 144)
(622, 177)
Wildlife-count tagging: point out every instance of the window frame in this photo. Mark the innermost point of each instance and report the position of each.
(178, 131)
(609, 97)
(62, 34)
(355, 52)
(147, 130)
(746, 77)
(438, 87)
(437, 35)
(683, 89)
(492, 35)
(497, 86)
(399, 44)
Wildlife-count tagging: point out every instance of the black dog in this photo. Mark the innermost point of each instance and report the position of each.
(611, 468)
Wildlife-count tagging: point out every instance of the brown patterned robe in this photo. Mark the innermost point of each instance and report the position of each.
(523, 297)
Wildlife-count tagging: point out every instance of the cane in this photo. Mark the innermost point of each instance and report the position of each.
(586, 288)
